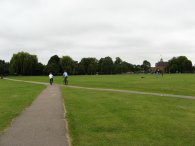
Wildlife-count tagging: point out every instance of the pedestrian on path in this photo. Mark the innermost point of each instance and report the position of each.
(51, 78)
(65, 75)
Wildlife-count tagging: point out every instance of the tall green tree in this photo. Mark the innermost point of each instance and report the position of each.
(118, 60)
(172, 65)
(6, 68)
(187, 66)
(106, 65)
(125, 67)
(179, 64)
(88, 65)
(68, 64)
(40, 69)
(23, 63)
(75, 68)
(117, 68)
(121, 66)
(137, 68)
(146, 66)
(2, 67)
(53, 65)
(131, 68)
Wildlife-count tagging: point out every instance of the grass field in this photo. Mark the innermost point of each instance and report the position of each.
(181, 84)
(14, 97)
(101, 118)
(120, 119)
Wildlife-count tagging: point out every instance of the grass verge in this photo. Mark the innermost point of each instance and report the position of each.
(120, 119)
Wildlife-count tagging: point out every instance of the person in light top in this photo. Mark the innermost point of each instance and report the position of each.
(65, 75)
(50, 78)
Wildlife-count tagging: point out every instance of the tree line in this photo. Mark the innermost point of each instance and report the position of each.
(23, 63)
(180, 64)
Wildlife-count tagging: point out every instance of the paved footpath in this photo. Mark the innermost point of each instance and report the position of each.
(42, 124)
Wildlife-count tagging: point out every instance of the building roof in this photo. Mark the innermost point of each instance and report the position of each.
(161, 63)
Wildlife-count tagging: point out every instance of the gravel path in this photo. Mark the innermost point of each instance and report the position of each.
(42, 124)
(34, 82)
(134, 92)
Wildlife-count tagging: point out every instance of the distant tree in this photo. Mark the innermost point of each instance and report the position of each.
(117, 68)
(118, 60)
(125, 67)
(193, 69)
(75, 68)
(2, 67)
(53, 65)
(81, 69)
(187, 66)
(137, 68)
(100, 68)
(146, 66)
(172, 65)
(6, 68)
(88, 65)
(105, 65)
(179, 64)
(131, 68)
(68, 64)
(23, 63)
(39, 69)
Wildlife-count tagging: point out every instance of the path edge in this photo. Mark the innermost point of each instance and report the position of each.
(13, 120)
(69, 140)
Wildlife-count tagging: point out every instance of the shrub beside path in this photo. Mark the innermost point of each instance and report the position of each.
(42, 124)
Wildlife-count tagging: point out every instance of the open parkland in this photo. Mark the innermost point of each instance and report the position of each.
(100, 111)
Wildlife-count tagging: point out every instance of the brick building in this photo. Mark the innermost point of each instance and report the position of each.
(161, 65)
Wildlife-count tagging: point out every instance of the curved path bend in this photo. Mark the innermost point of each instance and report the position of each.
(134, 92)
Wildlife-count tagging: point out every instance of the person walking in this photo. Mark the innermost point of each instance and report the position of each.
(65, 75)
(50, 78)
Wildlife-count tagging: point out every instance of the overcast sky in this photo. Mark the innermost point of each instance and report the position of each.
(134, 30)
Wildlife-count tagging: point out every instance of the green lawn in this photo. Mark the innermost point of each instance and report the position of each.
(100, 118)
(182, 84)
(121, 119)
(14, 97)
